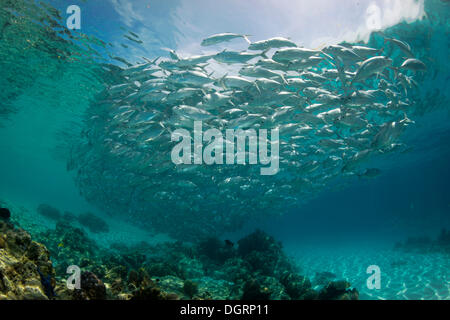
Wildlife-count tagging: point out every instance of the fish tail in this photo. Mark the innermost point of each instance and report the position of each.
(153, 62)
(264, 54)
(257, 87)
(245, 36)
(222, 82)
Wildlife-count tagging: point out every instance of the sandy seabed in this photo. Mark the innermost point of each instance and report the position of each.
(404, 275)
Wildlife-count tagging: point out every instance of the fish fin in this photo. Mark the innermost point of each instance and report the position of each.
(257, 87)
(264, 55)
(222, 82)
(341, 73)
(329, 58)
(406, 119)
(172, 53)
(154, 61)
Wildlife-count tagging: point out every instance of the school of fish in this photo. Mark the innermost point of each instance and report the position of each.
(335, 108)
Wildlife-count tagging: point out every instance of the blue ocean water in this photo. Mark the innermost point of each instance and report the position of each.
(58, 116)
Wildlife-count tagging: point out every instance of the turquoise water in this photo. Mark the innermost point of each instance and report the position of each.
(79, 132)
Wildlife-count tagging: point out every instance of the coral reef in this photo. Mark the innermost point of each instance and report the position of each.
(296, 286)
(93, 223)
(92, 288)
(26, 271)
(69, 216)
(338, 290)
(5, 214)
(426, 244)
(49, 212)
(87, 220)
(322, 278)
(216, 250)
(68, 246)
(190, 288)
(254, 269)
(253, 290)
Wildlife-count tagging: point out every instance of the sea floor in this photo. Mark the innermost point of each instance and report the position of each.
(410, 276)
(404, 276)
(119, 232)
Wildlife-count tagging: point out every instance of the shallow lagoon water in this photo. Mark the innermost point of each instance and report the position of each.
(53, 84)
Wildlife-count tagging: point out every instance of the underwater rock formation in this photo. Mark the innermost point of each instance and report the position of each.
(93, 223)
(88, 220)
(425, 244)
(255, 268)
(322, 278)
(263, 254)
(92, 288)
(68, 246)
(5, 214)
(69, 216)
(253, 290)
(296, 286)
(190, 288)
(338, 290)
(216, 250)
(26, 271)
(49, 211)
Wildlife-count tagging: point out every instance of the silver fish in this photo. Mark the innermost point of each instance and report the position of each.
(292, 54)
(277, 42)
(370, 67)
(222, 37)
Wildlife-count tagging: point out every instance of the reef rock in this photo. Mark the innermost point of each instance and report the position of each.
(94, 223)
(26, 272)
(48, 211)
(5, 214)
(92, 288)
